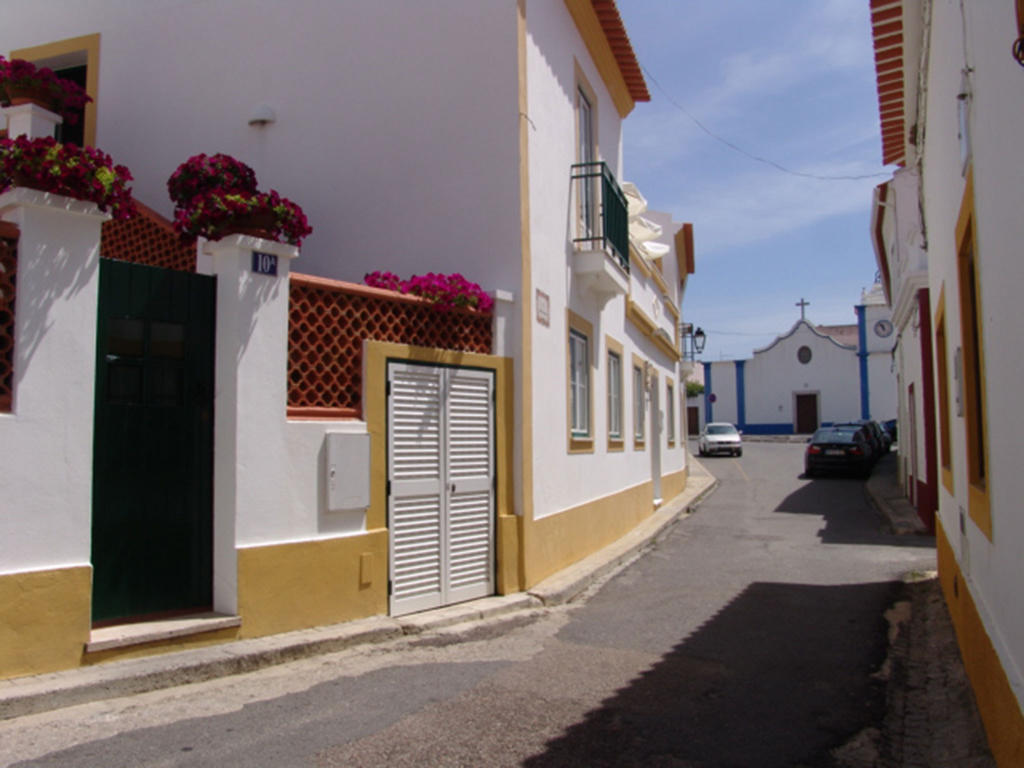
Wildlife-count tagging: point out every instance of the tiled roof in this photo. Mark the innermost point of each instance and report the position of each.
(887, 31)
(615, 32)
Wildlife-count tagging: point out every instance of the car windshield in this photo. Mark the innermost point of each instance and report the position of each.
(834, 435)
(721, 429)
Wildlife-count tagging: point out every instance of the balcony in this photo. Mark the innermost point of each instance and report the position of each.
(601, 259)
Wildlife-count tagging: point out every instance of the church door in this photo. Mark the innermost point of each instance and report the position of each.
(806, 413)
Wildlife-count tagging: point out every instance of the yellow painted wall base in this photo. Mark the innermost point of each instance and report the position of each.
(44, 620)
(1000, 712)
(555, 542)
(673, 484)
(508, 555)
(283, 587)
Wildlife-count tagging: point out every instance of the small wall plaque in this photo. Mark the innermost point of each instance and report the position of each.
(264, 263)
(543, 308)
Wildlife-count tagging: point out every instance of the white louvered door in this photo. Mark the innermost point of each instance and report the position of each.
(441, 485)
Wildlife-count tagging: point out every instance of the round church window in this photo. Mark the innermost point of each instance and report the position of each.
(804, 355)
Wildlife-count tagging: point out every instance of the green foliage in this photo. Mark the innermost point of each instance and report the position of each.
(694, 389)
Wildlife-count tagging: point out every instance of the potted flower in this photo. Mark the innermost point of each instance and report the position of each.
(22, 82)
(84, 173)
(217, 195)
(201, 174)
(263, 214)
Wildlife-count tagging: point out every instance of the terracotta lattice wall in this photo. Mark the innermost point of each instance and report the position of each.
(8, 273)
(328, 321)
(147, 238)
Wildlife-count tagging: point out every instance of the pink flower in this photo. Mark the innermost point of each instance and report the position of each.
(445, 292)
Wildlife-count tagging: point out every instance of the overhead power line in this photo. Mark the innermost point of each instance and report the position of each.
(750, 156)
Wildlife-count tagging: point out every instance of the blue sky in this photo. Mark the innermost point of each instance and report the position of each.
(791, 81)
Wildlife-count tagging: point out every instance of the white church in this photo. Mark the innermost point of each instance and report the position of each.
(810, 376)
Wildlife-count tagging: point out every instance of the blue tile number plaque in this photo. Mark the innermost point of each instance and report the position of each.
(264, 263)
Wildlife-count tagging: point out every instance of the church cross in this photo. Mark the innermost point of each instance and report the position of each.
(802, 304)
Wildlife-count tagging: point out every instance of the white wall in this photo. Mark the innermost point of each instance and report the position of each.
(46, 483)
(882, 395)
(397, 123)
(994, 568)
(723, 387)
(908, 354)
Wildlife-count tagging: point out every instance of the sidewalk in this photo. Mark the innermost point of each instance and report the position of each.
(932, 718)
(41, 693)
(883, 489)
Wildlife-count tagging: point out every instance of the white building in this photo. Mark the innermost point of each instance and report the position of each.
(903, 263)
(450, 136)
(809, 376)
(948, 232)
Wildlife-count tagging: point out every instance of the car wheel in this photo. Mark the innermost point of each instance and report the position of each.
(739, 451)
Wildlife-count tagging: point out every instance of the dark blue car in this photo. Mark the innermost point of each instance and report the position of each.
(839, 449)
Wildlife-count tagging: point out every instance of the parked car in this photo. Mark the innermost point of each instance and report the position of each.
(720, 437)
(879, 440)
(839, 448)
(890, 429)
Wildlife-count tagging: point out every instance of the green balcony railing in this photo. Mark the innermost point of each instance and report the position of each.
(604, 217)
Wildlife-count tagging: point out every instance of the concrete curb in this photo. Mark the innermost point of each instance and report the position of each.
(42, 693)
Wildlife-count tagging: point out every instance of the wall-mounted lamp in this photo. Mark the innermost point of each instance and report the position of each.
(699, 337)
(693, 341)
(261, 116)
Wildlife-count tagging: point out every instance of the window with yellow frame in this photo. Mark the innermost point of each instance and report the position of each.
(971, 332)
(616, 440)
(942, 370)
(78, 59)
(639, 404)
(670, 412)
(579, 389)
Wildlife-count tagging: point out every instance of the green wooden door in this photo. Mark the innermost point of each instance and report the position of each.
(153, 452)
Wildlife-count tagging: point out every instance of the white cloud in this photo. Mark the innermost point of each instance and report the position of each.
(762, 204)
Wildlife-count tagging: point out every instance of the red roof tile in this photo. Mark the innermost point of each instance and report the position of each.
(615, 32)
(887, 34)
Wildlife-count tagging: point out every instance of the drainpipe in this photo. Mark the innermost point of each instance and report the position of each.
(862, 354)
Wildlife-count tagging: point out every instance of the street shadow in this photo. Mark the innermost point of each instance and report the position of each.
(847, 513)
(779, 677)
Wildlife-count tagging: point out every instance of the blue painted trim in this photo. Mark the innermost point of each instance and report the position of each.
(774, 429)
(741, 395)
(768, 429)
(709, 409)
(862, 353)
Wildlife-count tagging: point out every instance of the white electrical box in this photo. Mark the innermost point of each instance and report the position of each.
(348, 471)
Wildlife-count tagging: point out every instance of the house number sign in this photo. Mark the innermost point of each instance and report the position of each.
(264, 263)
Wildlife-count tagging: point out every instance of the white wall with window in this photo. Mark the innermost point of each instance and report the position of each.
(576, 121)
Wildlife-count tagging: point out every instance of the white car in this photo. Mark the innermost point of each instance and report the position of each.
(719, 437)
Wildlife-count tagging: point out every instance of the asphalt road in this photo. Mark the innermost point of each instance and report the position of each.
(747, 637)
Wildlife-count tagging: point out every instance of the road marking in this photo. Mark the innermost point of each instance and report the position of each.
(740, 468)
